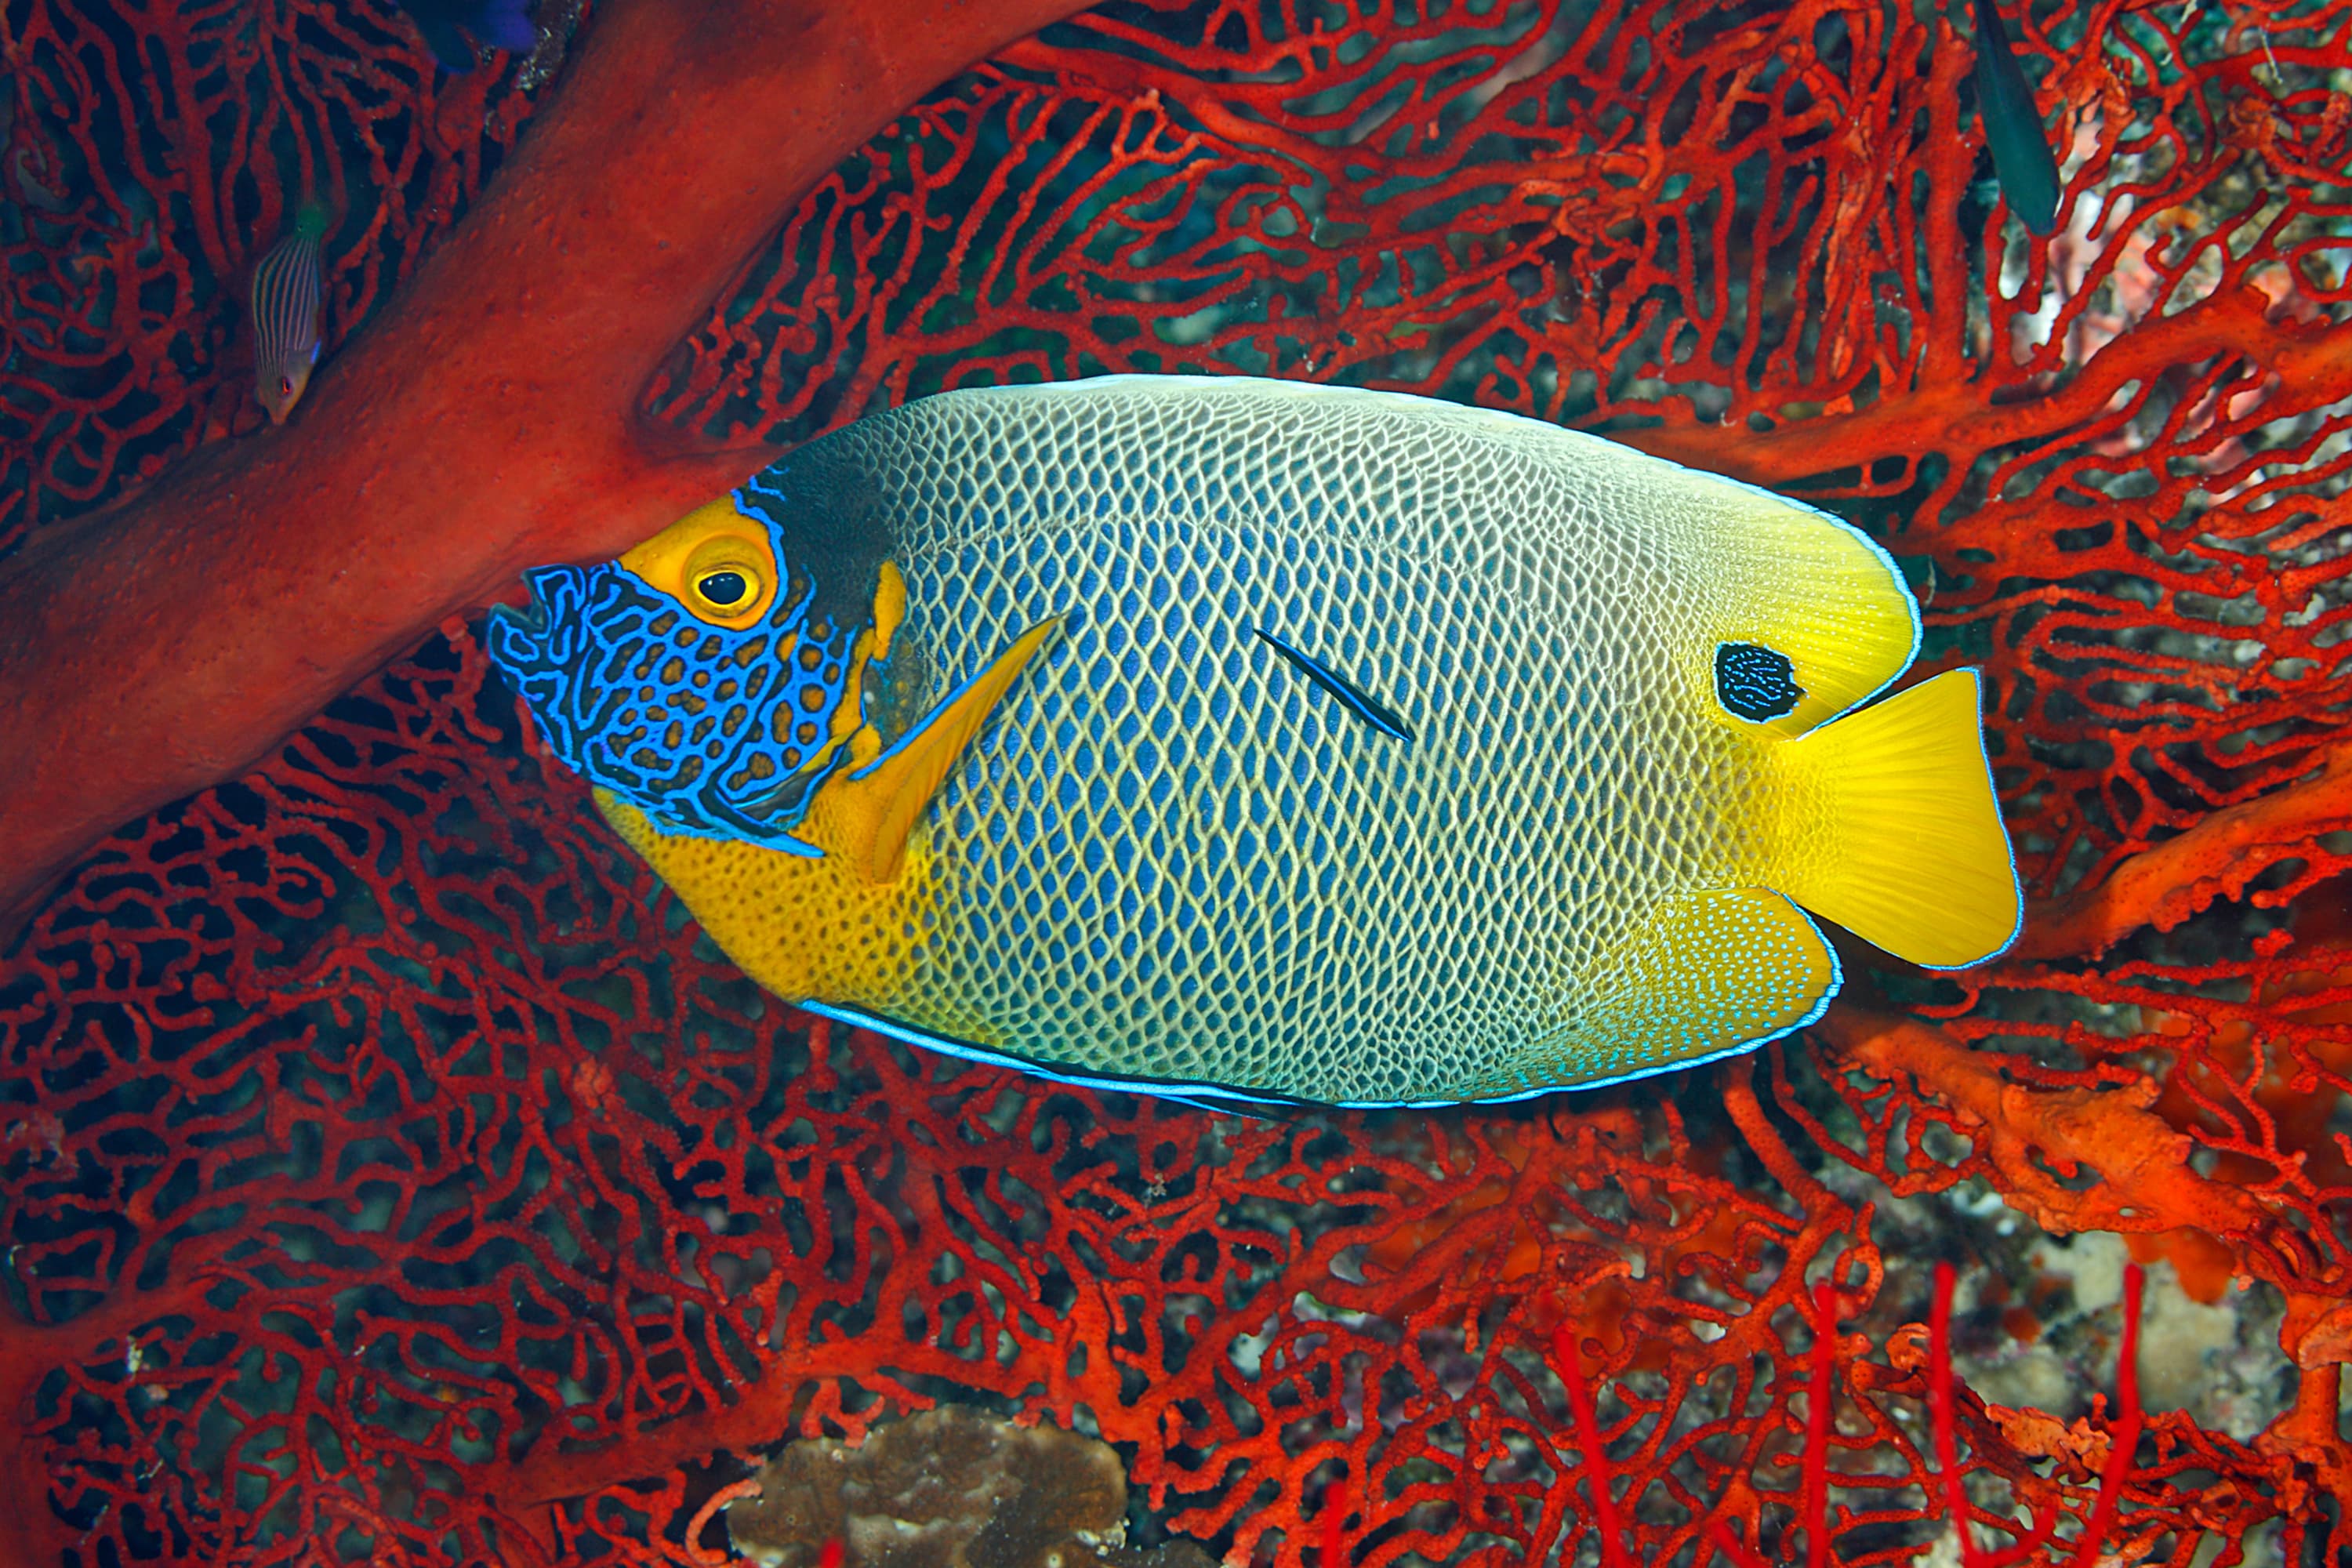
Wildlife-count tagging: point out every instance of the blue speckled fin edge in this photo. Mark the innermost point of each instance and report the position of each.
(1204, 1096)
(1166, 1088)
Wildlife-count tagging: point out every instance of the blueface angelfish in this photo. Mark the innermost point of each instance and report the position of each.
(285, 298)
(1236, 737)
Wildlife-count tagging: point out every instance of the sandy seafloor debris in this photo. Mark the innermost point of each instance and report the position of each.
(950, 1488)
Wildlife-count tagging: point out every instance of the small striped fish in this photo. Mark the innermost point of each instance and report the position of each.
(286, 290)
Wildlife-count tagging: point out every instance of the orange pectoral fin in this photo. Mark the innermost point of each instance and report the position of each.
(866, 816)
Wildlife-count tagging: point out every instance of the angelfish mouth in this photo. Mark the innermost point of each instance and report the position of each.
(521, 619)
(534, 639)
(555, 591)
(517, 639)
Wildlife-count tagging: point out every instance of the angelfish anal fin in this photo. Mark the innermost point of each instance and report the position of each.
(1712, 972)
(866, 816)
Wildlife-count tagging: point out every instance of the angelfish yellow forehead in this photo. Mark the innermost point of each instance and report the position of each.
(718, 563)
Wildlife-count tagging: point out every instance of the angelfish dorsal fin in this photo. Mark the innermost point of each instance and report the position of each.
(866, 815)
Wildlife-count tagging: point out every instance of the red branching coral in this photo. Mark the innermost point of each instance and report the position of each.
(486, 422)
(139, 199)
(390, 1169)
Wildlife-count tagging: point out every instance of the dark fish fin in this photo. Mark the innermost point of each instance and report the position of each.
(2022, 159)
(1376, 713)
(503, 24)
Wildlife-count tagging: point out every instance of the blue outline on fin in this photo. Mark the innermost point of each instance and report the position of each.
(1886, 559)
(1194, 1093)
(1373, 713)
(1166, 1088)
(1821, 1005)
(1254, 1110)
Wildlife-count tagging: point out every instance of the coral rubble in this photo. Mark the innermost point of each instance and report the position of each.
(950, 1488)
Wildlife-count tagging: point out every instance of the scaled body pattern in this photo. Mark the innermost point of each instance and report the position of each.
(1245, 737)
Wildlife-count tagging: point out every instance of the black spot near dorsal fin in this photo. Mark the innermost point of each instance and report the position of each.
(1755, 682)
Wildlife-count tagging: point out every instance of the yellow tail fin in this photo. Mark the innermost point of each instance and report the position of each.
(1889, 827)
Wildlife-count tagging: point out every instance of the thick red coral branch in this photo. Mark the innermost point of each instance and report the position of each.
(2308, 362)
(2164, 885)
(2038, 1138)
(487, 421)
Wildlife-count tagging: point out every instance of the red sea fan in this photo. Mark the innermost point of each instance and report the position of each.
(138, 199)
(391, 1171)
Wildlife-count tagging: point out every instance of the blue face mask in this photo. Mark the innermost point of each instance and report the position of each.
(695, 677)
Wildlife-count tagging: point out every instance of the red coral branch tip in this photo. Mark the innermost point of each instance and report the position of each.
(1335, 1507)
(1815, 1508)
(1719, 1534)
(749, 1487)
(829, 1554)
(1566, 1355)
(2123, 1440)
(1939, 1405)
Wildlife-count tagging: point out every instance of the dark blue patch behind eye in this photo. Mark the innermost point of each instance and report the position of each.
(1755, 682)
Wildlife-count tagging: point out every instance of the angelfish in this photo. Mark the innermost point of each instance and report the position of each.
(2022, 159)
(1236, 738)
(285, 298)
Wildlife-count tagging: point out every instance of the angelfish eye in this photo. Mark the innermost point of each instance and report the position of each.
(720, 567)
(723, 589)
(724, 582)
